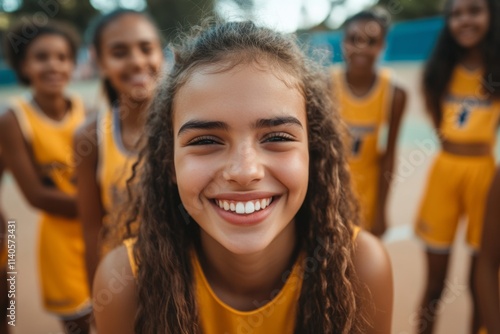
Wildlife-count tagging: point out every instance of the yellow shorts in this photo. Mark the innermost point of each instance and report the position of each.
(457, 186)
(365, 184)
(65, 291)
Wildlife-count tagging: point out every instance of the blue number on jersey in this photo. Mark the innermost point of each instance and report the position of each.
(463, 116)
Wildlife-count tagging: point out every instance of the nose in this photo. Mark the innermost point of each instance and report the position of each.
(138, 58)
(244, 166)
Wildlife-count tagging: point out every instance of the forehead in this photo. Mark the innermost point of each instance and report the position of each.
(365, 27)
(242, 92)
(128, 29)
(49, 42)
(462, 4)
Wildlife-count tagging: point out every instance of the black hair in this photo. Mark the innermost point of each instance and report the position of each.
(99, 26)
(19, 38)
(447, 54)
(376, 15)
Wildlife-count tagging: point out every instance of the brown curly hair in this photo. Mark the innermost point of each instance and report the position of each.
(166, 292)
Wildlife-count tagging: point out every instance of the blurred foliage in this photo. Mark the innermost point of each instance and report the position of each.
(412, 9)
(77, 12)
(173, 16)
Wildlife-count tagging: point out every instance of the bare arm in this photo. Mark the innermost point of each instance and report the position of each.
(387, 161)
(117, 313)
(489, 262)
(88, 194)
(19, 161)
(374, 272)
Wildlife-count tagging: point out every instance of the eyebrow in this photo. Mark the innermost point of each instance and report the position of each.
(261, 123)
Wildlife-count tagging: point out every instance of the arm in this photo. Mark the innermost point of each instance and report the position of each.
(116, 315)
(19, 161)
(374, 272)
(489, 262)
(88, 194)
(387, 161)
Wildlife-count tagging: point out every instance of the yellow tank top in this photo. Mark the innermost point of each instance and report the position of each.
(365, 116)
(469, 116)
(115, 162)
(50, 141)
(276, 316)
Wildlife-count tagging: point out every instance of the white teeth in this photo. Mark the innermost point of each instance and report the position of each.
(244, 207)
(249, 207)
(263, 203)
(240, 208)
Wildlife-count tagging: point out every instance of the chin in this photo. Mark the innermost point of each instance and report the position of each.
(245, 245)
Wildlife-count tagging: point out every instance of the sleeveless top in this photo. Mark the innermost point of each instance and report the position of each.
(277, 315)
(468, 114)
(366, 117)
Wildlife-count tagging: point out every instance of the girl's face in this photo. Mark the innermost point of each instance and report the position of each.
(241, 154)
(49, 64)
(469, 22)
(131, 56)
(363, 42)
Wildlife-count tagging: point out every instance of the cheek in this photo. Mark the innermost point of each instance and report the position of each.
(293, 172)
(193, 176)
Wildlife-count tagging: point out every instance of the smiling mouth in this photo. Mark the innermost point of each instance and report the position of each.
(244, 207)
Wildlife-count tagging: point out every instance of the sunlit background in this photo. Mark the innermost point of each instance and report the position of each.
(284, 15)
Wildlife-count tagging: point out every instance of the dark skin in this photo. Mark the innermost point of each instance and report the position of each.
(469, 24)
(488, 262)
(363, 43)
(370, 259)
(130, 57)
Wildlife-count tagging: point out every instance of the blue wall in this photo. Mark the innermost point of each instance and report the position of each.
(406, 41)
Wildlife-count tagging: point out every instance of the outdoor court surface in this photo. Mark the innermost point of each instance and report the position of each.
(416, 151)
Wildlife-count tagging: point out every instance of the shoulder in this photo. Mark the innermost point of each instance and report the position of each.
(8, 120)
(115, 293)
(371, 260)
(373, 268)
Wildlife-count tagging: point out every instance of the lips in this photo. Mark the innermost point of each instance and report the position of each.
(244, 207)
(140, 79)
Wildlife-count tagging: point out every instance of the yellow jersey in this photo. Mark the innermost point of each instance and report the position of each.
(115, 162)
(469, 115)
(364, 116)
(61, 250)
(50, 141)
(276, 315)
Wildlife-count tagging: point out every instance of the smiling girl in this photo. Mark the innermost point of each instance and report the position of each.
(369, 102)
(128, 51)
(463, 99)
(247, 220)
(36, 135)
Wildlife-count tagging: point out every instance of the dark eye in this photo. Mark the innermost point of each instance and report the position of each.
(42, 56)
(203, 141)
(277, 137)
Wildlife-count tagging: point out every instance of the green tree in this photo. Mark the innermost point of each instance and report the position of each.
(77, 12)
(173, 16)
(412, 9)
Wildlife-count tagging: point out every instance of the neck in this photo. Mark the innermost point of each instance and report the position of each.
(360, 82)
(473, 59)
(247, 279)
(54, 106)
(133, 114)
